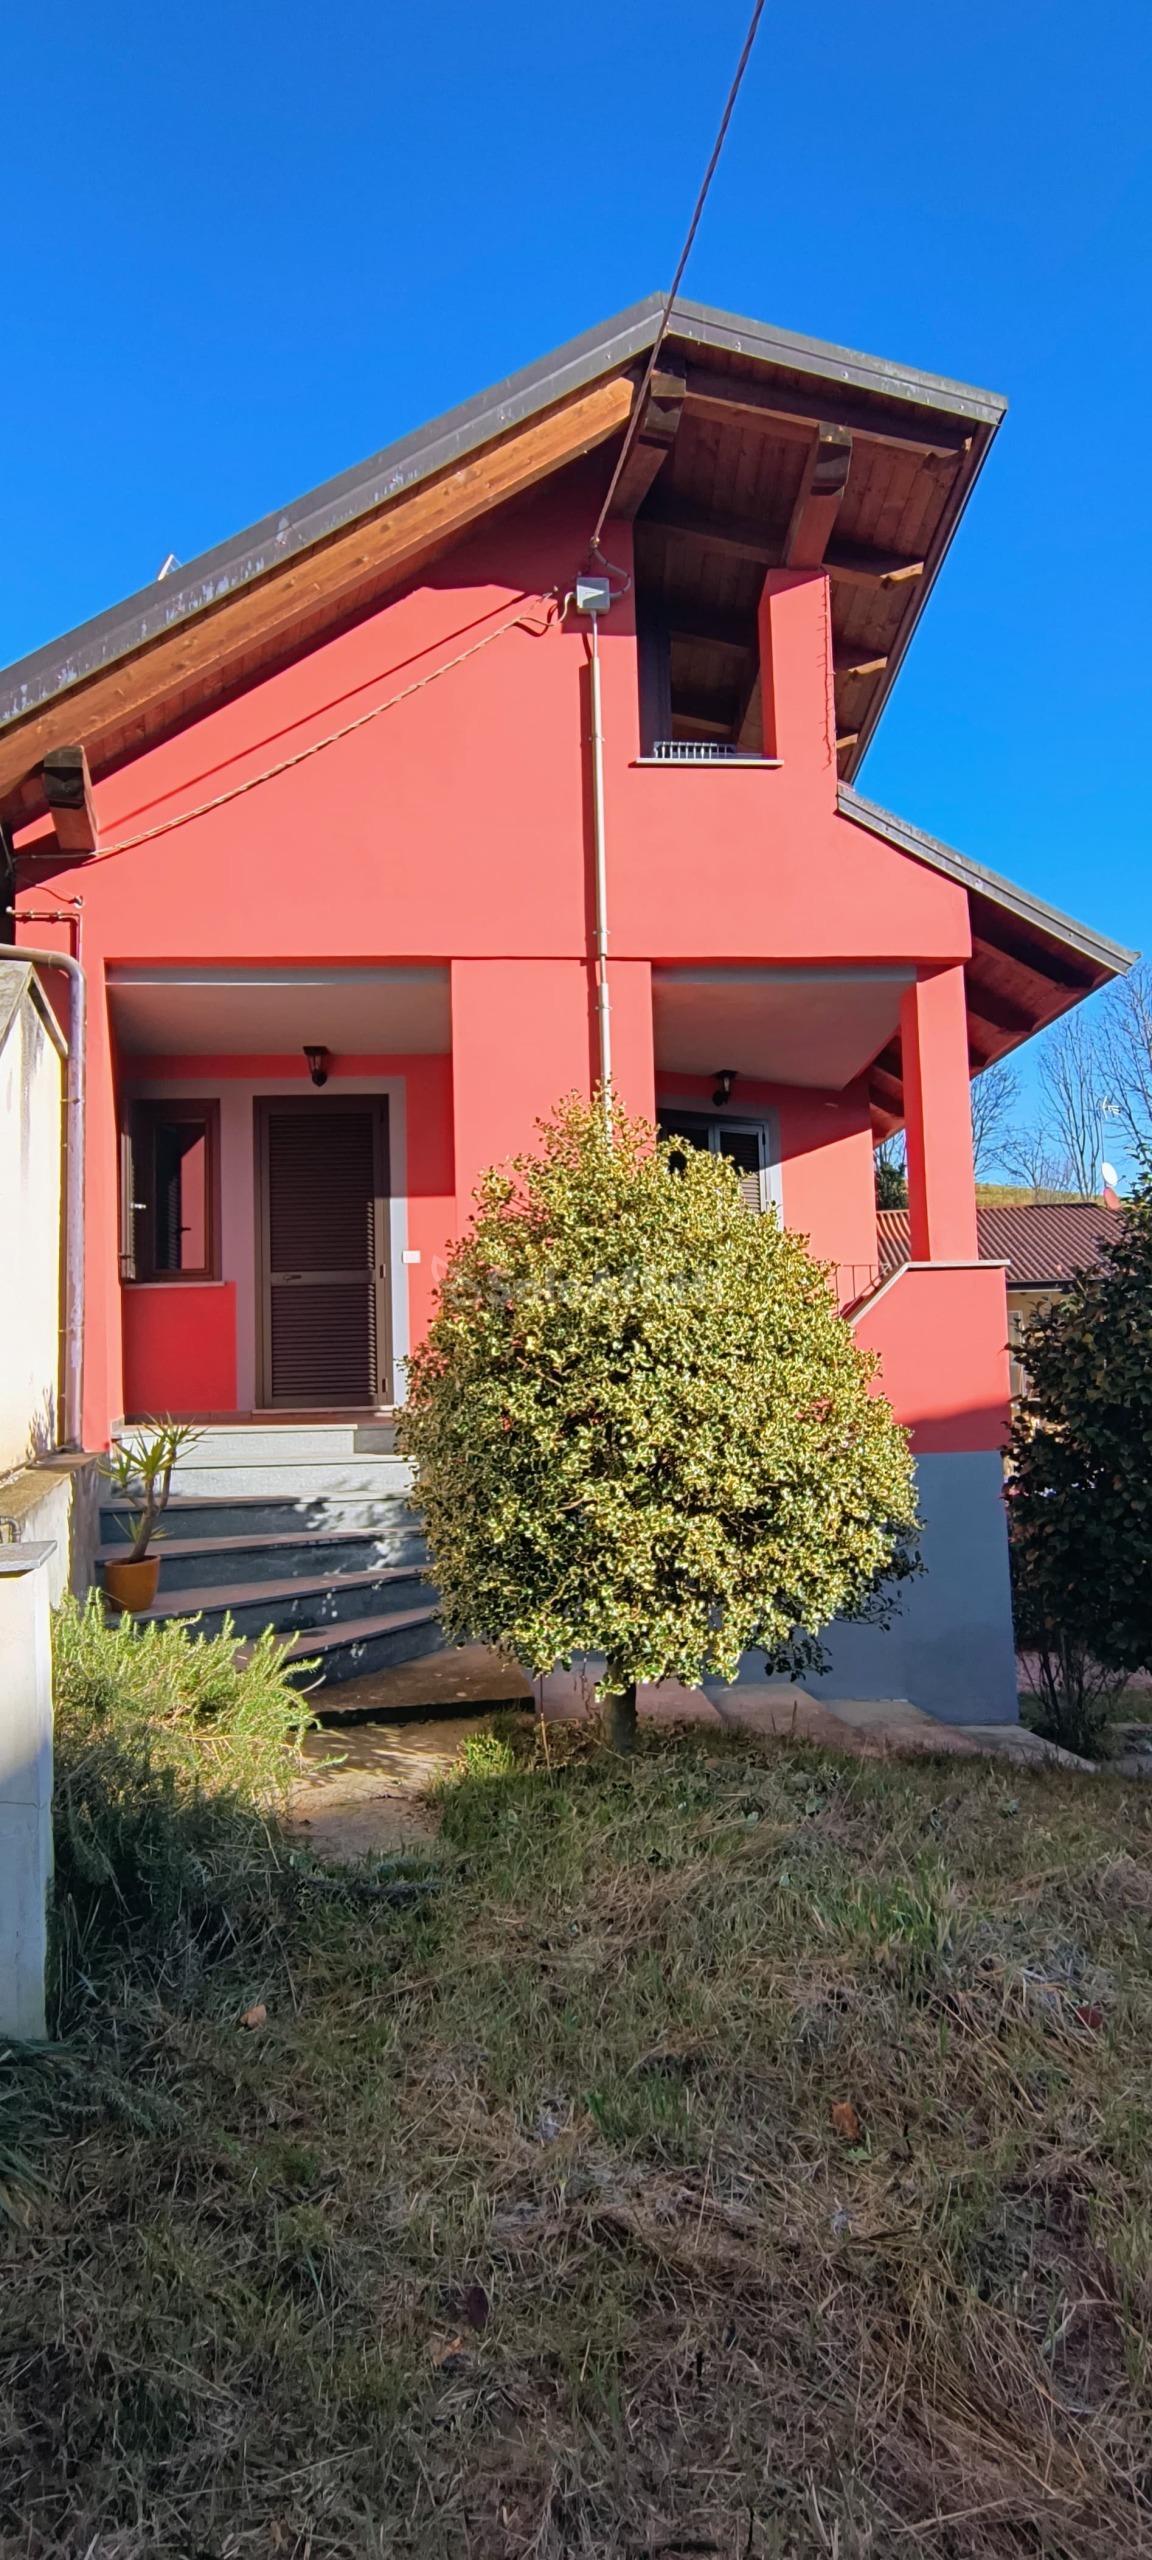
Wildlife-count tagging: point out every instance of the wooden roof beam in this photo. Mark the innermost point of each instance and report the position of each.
(986, 1004)
(1004, 941)
(822, 485)
(736, 536)
(741, 538)
(855, 564)
(685, 621)
(729, 396)
(655, 438)
(707, 710)
(858, 658)
(68, 792)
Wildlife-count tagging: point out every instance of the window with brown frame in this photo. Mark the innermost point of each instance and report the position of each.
(170, 1191)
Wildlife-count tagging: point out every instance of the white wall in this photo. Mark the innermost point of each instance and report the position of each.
(31, 1122)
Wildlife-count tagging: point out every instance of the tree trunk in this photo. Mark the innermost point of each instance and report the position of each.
(620, 1718)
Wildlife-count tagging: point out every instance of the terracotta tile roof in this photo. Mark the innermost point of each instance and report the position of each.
(1043, 1242)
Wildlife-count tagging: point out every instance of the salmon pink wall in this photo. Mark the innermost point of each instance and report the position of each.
(521, 1037)
(167, 1353)
(941, 1190)
(942, 1336)
(180, 1348)
(456, 827)
(827, 1176)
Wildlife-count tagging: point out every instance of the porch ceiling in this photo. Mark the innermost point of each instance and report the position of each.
(193, 1009)
(818, 1027)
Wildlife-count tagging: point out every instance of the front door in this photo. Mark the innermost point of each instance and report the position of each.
(323, 1252)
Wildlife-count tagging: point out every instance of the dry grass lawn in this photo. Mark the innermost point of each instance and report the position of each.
(742, 2151)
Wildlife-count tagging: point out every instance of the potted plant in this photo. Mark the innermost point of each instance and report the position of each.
(141, 1469)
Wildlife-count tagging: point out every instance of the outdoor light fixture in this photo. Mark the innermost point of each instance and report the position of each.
(725, 1079)
(317, 1063)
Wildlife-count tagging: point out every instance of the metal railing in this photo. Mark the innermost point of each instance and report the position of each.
(698, 751)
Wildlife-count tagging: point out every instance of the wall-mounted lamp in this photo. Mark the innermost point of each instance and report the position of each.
(317, 1063)
(725, 1079)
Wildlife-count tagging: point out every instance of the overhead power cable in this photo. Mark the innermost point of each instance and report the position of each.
(521, 621)
(686, 252)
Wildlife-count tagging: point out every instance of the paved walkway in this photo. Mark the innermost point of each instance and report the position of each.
(366, 1786)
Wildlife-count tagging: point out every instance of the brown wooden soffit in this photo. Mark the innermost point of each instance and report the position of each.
(381, 548)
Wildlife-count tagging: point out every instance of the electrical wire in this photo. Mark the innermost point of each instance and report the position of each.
(638, 406)
(183, 817)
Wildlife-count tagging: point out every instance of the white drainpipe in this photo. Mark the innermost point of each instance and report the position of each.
(73, 1437)
(593, 596)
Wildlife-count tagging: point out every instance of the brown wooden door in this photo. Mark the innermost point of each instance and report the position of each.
(323, 1187)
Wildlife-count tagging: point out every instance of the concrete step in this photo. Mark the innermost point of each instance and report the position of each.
(236, 1515)
(295, 1440)
(302, 1604)
(189, 1564)
(328, 1480)
(359, 1645)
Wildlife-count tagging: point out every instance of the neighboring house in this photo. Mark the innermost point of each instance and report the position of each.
(1042, 1243)
(329, 796)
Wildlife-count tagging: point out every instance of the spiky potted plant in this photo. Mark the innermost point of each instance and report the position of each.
(141, 1470)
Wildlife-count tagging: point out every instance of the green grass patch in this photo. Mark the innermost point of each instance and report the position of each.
(524, 2223)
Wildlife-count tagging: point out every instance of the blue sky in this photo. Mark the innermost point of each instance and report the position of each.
(247, 246)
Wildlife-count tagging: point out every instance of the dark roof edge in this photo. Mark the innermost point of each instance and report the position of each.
(323, 511)
(1095, 947)
(696, 323)
(163, 605)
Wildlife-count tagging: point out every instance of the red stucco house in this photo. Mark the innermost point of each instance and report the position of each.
(332, 789)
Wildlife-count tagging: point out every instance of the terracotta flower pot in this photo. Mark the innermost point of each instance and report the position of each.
(132, 1586)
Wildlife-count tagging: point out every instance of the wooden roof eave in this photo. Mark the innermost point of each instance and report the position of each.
(261, 616)
(1029, 964)
(797, 379)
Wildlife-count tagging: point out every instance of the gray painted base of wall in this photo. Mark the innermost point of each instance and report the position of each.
(950, 1648)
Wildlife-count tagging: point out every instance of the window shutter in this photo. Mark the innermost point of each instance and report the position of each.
(127, 1203)
(321, 1200)
(742, 1148)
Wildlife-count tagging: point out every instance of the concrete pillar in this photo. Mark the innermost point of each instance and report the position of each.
(25, 1786)
(938, 1119)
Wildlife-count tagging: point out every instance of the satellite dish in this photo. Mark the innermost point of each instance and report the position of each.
(1110, 1174)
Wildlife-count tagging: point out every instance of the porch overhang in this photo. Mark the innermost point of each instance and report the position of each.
(1029, 964)
(207, 1009)
(792, 1025)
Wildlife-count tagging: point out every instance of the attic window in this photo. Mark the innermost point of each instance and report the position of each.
(698, 676)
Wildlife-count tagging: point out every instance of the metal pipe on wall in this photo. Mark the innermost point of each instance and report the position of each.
(73, 1437)
(603, 1005)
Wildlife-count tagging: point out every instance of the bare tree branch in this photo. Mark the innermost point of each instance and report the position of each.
(1126, 1056)
(1030, 1159)
(994, 1096)
(1073, 1089)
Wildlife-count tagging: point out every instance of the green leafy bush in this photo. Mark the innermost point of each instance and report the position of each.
(1080, 1486)
(172, 1762)
(641, 1428)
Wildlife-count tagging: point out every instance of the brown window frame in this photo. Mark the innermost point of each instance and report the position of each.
(138, 1213)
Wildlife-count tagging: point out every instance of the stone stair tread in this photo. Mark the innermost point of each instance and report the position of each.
(180, 1502)
(245, 1543)
(344, 1631)
(194, 1598)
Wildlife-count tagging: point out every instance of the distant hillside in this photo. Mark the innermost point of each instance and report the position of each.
(1007, 1195)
